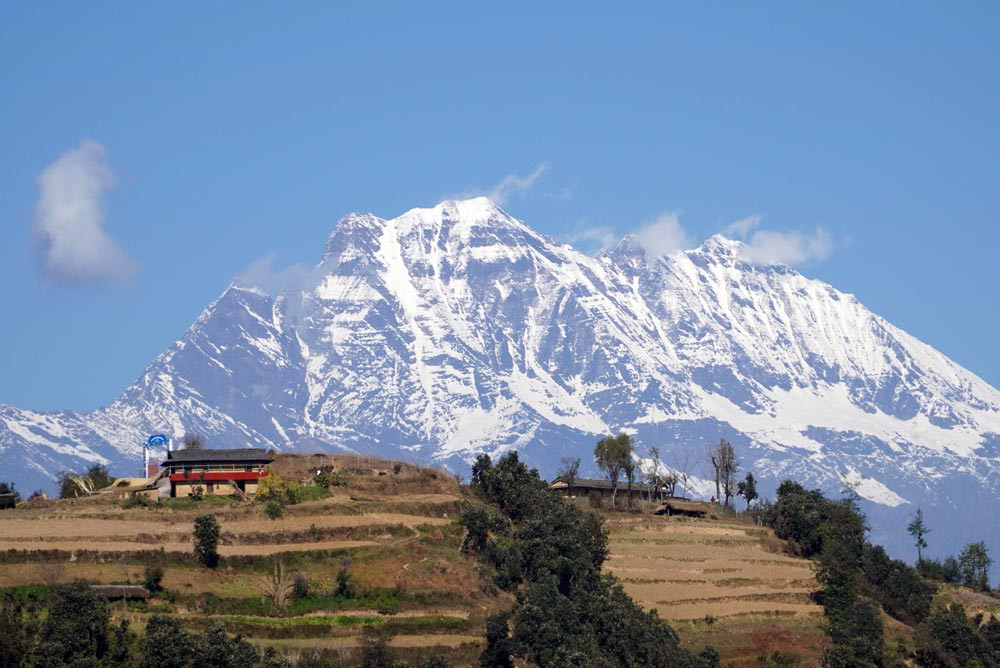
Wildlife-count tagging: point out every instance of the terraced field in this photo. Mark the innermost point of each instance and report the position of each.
(394, 534)
(720, 582)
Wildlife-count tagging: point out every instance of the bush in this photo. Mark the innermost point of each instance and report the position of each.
(331, 479)
(206, 539)
(300, 587)
(596, 499)
(153, 578)
(274, 509)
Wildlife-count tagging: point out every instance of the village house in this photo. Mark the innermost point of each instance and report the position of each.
(584, 487)
(195, 472)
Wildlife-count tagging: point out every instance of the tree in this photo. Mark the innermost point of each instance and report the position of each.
(570, 467)
(629, 468)
(613, 455)
(9, 501)
(98, 476)
(748, 489)
(192, 441)
(278, 584)
(725, 464)
(975, 562)
(206, 539)
(918, 530)
(75, 631)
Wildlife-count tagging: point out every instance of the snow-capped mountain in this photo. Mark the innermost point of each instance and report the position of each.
(456, 330)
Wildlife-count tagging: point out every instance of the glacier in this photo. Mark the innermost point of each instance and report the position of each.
(457, 329)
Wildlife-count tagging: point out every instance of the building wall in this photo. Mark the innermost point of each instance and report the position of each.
(185, 489)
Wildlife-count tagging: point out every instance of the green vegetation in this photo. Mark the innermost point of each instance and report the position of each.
(550, 554)
(206, 540)
(858, 577)
(72, 485)
(614, 456)
(8, 495)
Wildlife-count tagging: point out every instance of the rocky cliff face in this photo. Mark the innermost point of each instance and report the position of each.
(456, 330)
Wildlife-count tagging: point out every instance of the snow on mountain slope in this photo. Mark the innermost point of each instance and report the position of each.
(457, 329)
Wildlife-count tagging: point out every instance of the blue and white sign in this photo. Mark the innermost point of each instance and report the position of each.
(157, 439)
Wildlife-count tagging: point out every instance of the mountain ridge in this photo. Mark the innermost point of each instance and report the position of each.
(456, 329)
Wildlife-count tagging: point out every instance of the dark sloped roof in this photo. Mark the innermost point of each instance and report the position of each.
(587, 483)
(232, 455)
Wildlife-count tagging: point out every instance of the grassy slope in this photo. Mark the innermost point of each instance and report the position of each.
(396, 532)
(722, 582)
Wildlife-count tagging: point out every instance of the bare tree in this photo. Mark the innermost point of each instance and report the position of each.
(278, 584)
(192, 441)
(570, 467)
(653, 477)
(681, 467)
(724, 465)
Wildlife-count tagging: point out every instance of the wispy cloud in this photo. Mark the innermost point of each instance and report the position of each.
(791, 247)
(74, 247)
(663, 236)
(597, 237)
(516, 185)
(739, 229)
(264, 276)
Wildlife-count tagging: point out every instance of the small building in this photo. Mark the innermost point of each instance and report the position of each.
(586, 487)
(682, 507)
(121, 592)
(195, 472)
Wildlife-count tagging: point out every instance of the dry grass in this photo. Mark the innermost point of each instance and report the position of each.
(720, 582)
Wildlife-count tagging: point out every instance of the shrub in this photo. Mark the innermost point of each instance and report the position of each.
(300, 587)
(332, 479)
(595, 499)
(274, 509)
(153, 578)
(206, 539)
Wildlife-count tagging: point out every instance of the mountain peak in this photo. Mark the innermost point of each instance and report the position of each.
(473, 210)
(720, 246)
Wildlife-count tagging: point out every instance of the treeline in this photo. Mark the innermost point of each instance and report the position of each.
(859, 577)
(549, 553)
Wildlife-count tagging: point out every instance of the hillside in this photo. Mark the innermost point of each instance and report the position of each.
(723, 582)
(394, 534)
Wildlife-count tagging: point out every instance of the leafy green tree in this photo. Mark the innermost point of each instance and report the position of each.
(375, 651)
(11, 496)
(206, 539)
(950, 638)
(119, 654)
(18, 627)
(918, 530)
(747, 488)
(435, 660)
(166, 644)
(974, 563)
(99, 476)
(614, 456)
(499, 645)
(152, 578)
(75, 631)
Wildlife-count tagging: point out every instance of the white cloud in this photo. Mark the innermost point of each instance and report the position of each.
(69, 220)
(789, 247)
(262, 275)
(513, 184)
(600, 236)
(739, 229)
(663, 236)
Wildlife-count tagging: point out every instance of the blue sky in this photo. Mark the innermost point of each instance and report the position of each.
(231, 131)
